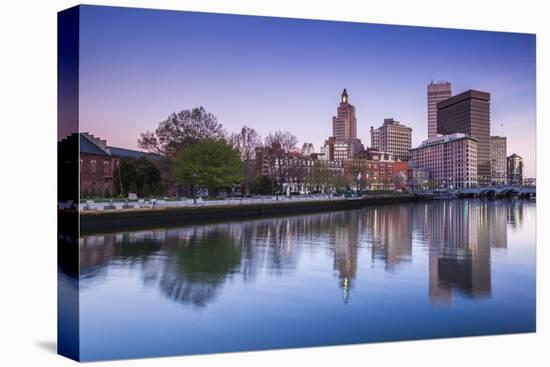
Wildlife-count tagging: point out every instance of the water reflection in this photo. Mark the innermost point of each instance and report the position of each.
(190, 265)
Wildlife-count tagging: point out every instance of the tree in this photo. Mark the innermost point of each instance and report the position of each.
(216, 164)
(246, 141)
(285, 139)
(157, 189)
(140, 172)
(147, 173)
(399, 180)
(181, 130)
(123, 176)
(263, 185)
(146, 190)
(133, 188)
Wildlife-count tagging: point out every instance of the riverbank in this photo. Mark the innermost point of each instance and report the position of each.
(129, 219)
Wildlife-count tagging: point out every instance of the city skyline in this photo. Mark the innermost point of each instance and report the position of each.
(288, 74)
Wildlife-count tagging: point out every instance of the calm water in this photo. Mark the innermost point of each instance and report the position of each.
(429, 270)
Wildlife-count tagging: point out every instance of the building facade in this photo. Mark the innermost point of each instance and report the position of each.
(392, 137)
(515, 169)
(469, 113)
(437, 92)
(369, 170)
(451, 160)
(96, 166)
(418, 178)
(498, 160)
(298, 173)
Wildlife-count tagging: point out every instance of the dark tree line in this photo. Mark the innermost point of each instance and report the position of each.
(140, 176)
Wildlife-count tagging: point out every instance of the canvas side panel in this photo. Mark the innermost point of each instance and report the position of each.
(67, 183)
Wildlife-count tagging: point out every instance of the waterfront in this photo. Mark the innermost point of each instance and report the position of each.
(394, 272)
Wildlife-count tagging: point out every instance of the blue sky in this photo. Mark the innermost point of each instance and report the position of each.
(138, 66)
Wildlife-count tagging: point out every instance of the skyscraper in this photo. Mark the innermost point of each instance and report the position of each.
(344, 124)
(469, 113)
(515, 169)
(498, 160)
(392, 137)
(344, 130)
(437, 92)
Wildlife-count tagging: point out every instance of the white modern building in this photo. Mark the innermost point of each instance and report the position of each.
(392, 137)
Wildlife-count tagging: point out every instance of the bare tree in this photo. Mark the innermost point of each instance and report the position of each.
(180, 130)
(286, 139)
(246, 141)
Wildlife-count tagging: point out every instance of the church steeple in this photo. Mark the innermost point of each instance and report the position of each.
(344, 96)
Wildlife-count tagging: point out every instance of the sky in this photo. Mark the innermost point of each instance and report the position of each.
(137, 66)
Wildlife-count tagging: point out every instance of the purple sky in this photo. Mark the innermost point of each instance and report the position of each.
(138, 66)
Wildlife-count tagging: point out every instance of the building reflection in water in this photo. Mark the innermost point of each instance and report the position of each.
(345, 229)
(191, 264)
(460, 235)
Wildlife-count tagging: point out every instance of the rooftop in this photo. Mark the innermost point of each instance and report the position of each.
(469, 94)
(443, 139)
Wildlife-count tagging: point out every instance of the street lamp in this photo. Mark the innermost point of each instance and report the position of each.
(194, 188)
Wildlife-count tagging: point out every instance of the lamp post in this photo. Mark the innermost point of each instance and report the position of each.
(194, 188)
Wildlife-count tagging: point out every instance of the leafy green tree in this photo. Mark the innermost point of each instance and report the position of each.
(147, 173)
(217, 164)
(157, 189)
(262, 186)
(124, 175)
(140, 172)
(146, 190)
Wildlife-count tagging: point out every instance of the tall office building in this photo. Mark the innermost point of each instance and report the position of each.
(498, 160)
(515, 169)
(392, 137)
(344, 124)
(469, 113)
(437, 92)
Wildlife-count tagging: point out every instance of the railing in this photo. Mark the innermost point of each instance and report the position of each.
(90, 205)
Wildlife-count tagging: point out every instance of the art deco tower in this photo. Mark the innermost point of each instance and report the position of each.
(344, 125)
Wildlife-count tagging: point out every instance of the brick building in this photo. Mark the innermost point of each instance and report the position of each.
(98, 162)
(368, 170)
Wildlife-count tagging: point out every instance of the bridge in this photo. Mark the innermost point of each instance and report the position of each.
(499, 191)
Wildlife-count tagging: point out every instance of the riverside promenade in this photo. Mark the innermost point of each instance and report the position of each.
(158, 215)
